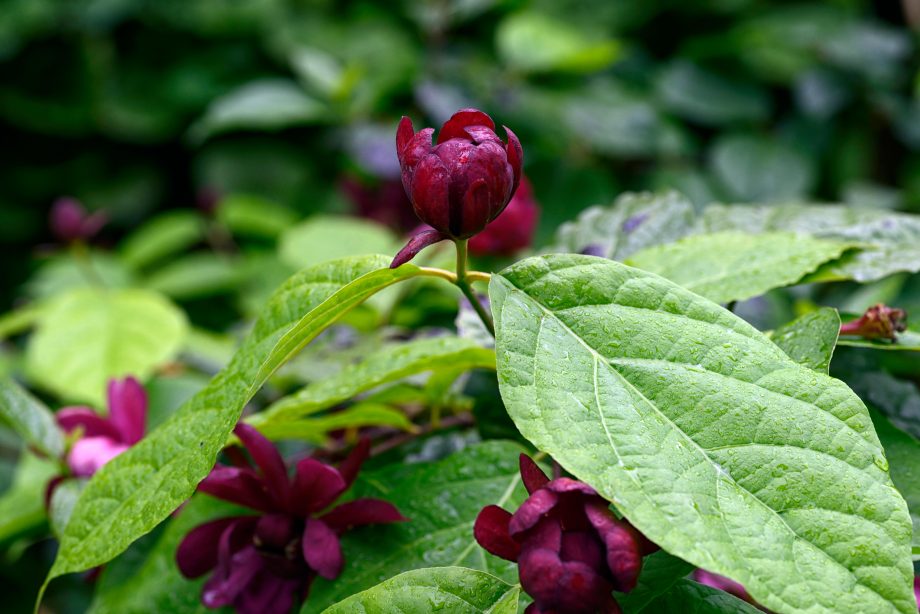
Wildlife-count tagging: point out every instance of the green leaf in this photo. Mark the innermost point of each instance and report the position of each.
(249, 215)
(30, 419)
(22, 505)
(810, 339)
(146, 578)
(316, 429)
(65, 273)
(731, 266)
(452, 589)
(87, 337)
(164, 235)
(891, 241)
(687, 596)
(534, 42)
(135, 491)
(19, 320)
(752, 169)
(329, 237)
(441, 499)
(62, 503)
(708, 98)
(198, 275)
(391, 363)
(903, 452)
(632, 223)
(713, 442)
(660, 571)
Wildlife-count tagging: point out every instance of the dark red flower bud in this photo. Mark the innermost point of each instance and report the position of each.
(879, 322)
(513, 230)
(70, 222)
(463, 182)
(571, 550)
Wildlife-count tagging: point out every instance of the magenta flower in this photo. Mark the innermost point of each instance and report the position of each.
(511, 231)
(571, 550)
(70, 221)
(260, 564)
(878, 322)
(463, 182)
(103, 438)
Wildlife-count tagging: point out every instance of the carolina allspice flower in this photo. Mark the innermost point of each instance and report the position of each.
(511, 231)
(70, 222)
(571, 550)
(878, 322)
(461, 183)
(260, 564)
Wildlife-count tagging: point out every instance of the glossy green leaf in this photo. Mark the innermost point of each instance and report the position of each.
(441, 499)
(87, 337)
(713, 442)
(753, 169)
(903, 452)
(450, 589)
(730, 266)
(898, 399)
(534, 42)
(139, 488)
(63, 500)
(810, 339)
(632, 223)
(891, 240)
(660, 571)
(165, 235)
(30, 419)
(687, 596)
(316, 429)
(391, 363)
(22, 505)
(249, 215)
(328, 237)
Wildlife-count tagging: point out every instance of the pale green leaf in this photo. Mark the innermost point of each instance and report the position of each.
(731, 266)
(89, 336)
(249, 215)
(707, 97)
(534, 42)
(198, 275)
(903, 452)
(442, 500)
(22, 505)
(755, 169)
(810, 339)
(139, 488)
(19, 320)
(329, 237)
(457, 590)
(65, 273)
(30, 419)
(63, 500)
(713, 442)
(316, 429)
(164, 235)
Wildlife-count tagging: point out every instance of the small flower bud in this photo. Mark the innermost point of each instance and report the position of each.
(70, 222)
(878, 322)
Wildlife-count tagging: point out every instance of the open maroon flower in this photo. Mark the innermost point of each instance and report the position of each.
(878, 322)
(511, 231)
(262, 563)
(463, 182)
(571, 550)
(104, 438)
(70, 221)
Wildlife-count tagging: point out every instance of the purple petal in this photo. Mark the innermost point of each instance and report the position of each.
(584, 547)
(481, 134)
(93, 425)
(561, 586)
(417, 148)
(428, 191)
(624, 553)
(361, 512)
(238, 485)
(128, 408)
(724, 584)
(268, 460)
(267, 593)
(322, 550)
(533, 477)
(404, 134)
(532, 510)
(276, 531)
(89, 454)
(232, 576)
(197, 553)
(453, 128)
(416, 244)
(567, 485)
(316, 485)
(491, 532)
(350, 467)
(515, 154)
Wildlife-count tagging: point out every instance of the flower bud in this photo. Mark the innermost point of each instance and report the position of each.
(70, 222)
(511, 231)
(879, 322)
(463, 182)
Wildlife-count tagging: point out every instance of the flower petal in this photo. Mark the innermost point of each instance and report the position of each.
(322, 550)
(89, 454)
(238, 485)
(269, 461)
(491, 531)
(429, 192)
(561, 586)
(128, 408)
(624, 554)
(416, 244)
(567, 485)
(532, 510)
(350, 467)
(232, 576)
(453, 128)
(93, 425)
(533, 477)
(267, 593)
(361, 512)
(515, 154)
(197, 552)
(417, 148)
(404, 134)
(316, 485)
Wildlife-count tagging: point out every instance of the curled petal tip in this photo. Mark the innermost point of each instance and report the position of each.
(417, 244)
(491, 532)
(515, 156)
(533, 477)
(404, 134)
(454, 127)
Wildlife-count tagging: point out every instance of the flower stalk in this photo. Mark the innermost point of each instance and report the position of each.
(463, 282)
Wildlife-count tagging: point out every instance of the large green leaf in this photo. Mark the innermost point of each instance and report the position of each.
(711, 440)
(533, 42)
(386, 365)
(689, 597)
(135, 491)
(328, 237)
(730, 266)
(167, 234)
(810, 339)
(892, 240)
(755, 169)
(30, 419)
(441, 500)
(903, 453)
(632, 223)
(457, 590)
(22, 505)
(89, 336)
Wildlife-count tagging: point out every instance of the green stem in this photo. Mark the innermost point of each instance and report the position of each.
(463, 282)
(84, 260)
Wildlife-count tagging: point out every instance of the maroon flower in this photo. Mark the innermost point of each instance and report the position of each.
(104, 438)
(571, 550)
(262, 563)
(70, 221)
(511, 231)
(879, 322)
(384, 202)
(463, 182)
